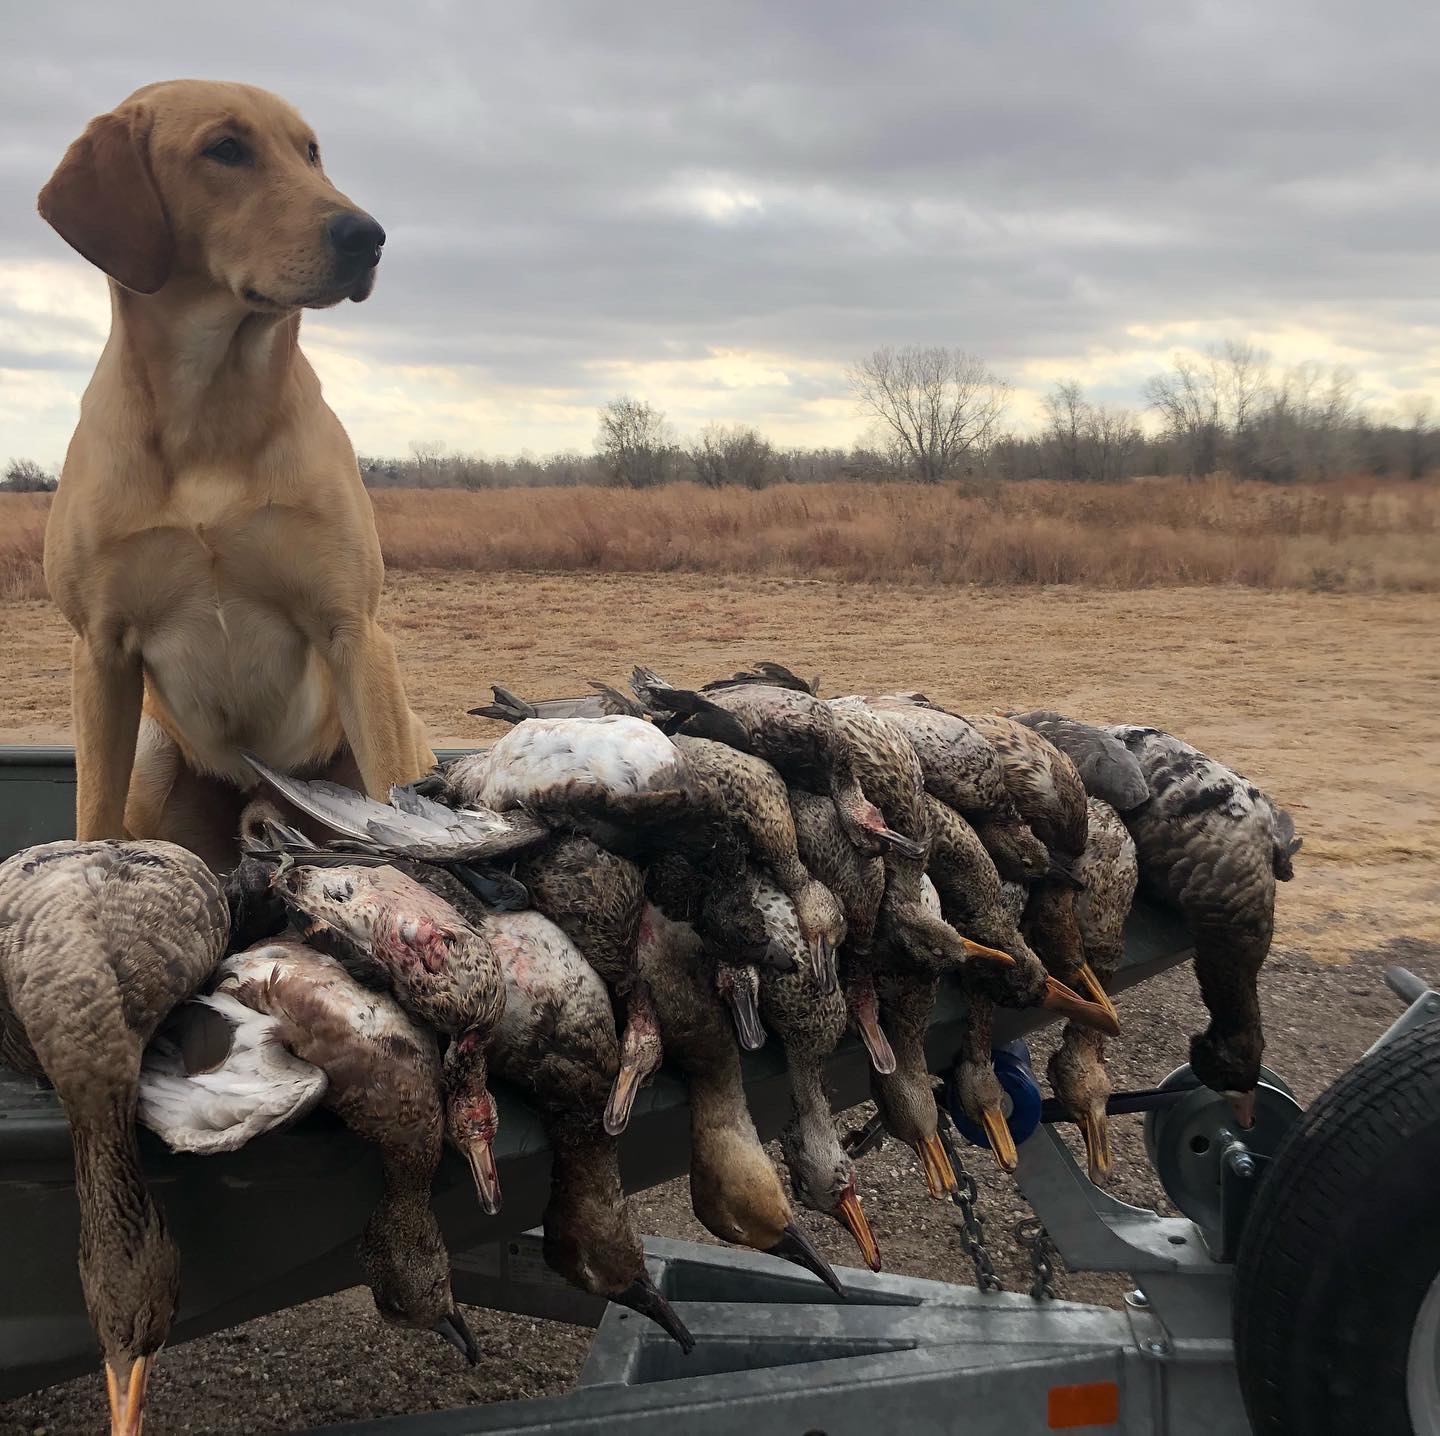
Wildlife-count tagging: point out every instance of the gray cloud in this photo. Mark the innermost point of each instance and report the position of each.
(1027, 180)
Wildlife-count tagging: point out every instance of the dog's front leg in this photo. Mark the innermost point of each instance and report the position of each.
(373, 710)
(107, 687)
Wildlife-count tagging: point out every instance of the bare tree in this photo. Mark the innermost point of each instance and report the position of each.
(734, 454)
(938, 406)
(1416, 411)
(1066, 415)
(634, 443)
(1188, 400)
(25, 476)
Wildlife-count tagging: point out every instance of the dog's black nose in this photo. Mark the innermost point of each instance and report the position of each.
(356, 236)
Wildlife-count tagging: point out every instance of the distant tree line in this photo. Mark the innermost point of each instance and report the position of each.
(939, 413)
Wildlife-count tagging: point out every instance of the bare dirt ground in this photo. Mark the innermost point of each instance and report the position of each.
(1332, 702)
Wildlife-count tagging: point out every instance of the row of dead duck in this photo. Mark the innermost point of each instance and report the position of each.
(621, 879)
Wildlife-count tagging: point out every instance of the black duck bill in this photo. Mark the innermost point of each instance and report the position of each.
(644, 1296)
(795, 1246)
(452, 1329)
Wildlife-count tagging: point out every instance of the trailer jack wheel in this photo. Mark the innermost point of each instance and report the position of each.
(1337, 1298)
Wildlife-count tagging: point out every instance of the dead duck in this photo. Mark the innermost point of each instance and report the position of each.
(976, 1083)
(597, 898)
(379, 1072)
(98, 942)
(858, 880)
(595, 895)
(1051, 798)
(962, 769)
(556, 1040)
(612, 777)
(718, 898)
(441, 969)
(734, 1188)
(810, 1019)
(974, 899)
(753, 795)
(1212, 844)
(1076, 1070)
(792, 730)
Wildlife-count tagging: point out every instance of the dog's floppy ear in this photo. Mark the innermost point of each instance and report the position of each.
(103, 201)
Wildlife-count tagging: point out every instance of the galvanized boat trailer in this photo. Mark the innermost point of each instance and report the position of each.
(776, 1354)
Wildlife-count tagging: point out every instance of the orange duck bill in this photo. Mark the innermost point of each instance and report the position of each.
(939, 1174)
(1096, 1132)
(1059, 998)
(1095, 989)
(1002, 1143)
(851, 1215)
(127, 1397)
(622, 1098)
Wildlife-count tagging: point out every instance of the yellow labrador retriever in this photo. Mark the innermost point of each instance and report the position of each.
(211, 543)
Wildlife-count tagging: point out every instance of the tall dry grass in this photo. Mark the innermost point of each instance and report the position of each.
(1347, 535)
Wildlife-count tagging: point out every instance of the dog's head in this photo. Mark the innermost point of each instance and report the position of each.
(214, 186)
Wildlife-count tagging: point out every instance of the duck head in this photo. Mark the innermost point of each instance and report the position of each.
(822, 926)
(471, 1117)
(822, 1178)
(408, 1271)
(131, 1281)
(737, 1196)
(932, 943)
(1077, 1073)
(590, 1240)
(1229, 1063)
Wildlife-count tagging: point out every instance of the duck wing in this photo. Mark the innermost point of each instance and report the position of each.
(411, 825)
(1107, 767)
(218, 1074)
(773, 675)
(604, 702)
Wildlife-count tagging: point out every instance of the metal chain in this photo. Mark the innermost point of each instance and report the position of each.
(972, 1229)
(1032, 1235)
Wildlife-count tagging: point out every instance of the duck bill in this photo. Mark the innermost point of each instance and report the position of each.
(622, 1098)
(827, 972)
(644, 1296)
(1059, 998)
(900, 845)
(877, 1044)
(452, 1329)
(997, 1133)
(487, 1179)
(795, 1246)
(746, 1015)
(939, 1174)
(1242, 1104)
(127, 1398)
(851, 1215)
(1096, 989)
(987, 954)
(1096, 1132)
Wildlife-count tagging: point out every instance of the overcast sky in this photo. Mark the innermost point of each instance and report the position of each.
(720, 206)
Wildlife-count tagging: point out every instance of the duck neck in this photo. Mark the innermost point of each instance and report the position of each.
(129, 1268)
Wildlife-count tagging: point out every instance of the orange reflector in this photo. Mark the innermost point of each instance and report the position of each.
(1096, 1403)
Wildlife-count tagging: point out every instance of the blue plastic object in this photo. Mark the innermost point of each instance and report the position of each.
(1022, 1094)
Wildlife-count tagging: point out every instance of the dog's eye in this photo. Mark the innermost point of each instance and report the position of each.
(313, 150)
(228, 152)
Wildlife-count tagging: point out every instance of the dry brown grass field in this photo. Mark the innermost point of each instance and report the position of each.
(1354, 535)
(1330, 699)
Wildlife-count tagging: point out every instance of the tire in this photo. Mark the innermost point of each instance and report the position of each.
(1341, 1248)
